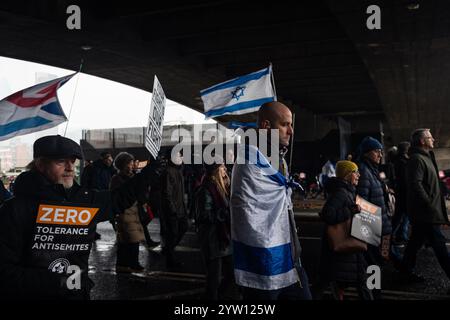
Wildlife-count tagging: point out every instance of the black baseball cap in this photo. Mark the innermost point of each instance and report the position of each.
(56, 147)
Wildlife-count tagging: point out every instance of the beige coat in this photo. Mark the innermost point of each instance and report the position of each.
(129, 226)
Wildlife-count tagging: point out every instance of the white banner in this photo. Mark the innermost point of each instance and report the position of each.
(153, 135)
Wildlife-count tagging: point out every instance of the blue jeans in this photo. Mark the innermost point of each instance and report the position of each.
(400, 227)
(292, 292)
(419, 234)
(400, 231)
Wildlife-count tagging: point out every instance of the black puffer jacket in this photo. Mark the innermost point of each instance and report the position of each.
(341, 267)
(45, 229)
(371, 189)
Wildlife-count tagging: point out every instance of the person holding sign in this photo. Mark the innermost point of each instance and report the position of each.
(342, 262)
(48, 228)
(371, 188)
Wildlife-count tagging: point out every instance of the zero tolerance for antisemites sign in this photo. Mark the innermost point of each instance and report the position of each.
(366, 225)
(153, 136)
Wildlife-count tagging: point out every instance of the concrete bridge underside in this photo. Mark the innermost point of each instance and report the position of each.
(327, 64)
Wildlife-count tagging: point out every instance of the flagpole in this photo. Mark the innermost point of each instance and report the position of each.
(292, 142)
(73, 97)
(273, 81)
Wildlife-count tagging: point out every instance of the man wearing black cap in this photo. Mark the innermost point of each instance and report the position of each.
(47, 229)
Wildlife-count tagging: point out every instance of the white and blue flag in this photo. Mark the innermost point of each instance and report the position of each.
(260, 229)
(33, 109)
(240, 95)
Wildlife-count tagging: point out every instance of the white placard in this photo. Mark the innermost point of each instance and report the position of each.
(366, 225)
(153, 135)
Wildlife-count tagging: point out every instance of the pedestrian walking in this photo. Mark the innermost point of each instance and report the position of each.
(425, 206)
(174, 220)
(371, 188)
(212, 220)
(130, 231)
(266, 249)
(342, 262)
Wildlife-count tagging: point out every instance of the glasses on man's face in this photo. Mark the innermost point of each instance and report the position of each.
(355, 171)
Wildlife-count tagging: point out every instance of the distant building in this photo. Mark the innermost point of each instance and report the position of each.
(132, 140)
(6, 159)
(15, 155)
(22, 155)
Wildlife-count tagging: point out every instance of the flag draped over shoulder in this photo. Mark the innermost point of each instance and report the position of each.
(240, 95)
(260, 230)
(33, 109)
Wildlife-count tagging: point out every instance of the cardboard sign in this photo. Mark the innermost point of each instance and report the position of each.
(366, 225)
(153, 135)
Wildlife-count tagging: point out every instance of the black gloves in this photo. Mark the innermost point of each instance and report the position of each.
(155, 167)
(354, 209)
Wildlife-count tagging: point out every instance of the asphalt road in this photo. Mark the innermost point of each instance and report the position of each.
(186, 282)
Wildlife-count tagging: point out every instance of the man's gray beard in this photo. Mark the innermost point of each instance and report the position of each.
(67, 185)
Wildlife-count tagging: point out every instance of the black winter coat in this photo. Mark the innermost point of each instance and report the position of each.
(425, 201)
(38, 243)
(347, 268)
(97, 175)
(401, 184)
(172, 192)
(212, 219)
(371, 189)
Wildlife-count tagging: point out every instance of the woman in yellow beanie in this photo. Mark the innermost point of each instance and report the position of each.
(344, 168)
(342, 269)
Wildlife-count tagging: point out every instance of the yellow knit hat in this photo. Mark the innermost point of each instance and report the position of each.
(344, 167)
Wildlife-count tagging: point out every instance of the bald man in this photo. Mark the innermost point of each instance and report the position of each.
(266, 250)
(275, 115)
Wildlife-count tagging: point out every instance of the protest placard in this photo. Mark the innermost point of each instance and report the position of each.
(153, 135)
(366, 225)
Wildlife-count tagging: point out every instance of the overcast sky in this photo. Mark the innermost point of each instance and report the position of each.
(97, 102)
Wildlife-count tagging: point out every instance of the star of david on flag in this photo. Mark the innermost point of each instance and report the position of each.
(240, 95)
(33, 109)
(239, 92)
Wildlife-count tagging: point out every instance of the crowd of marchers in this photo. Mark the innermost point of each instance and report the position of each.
(242, 214)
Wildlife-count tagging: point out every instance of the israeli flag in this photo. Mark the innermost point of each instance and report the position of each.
(260, 230)
(240, 95)
(238, 124)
